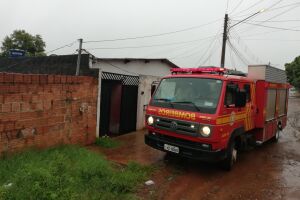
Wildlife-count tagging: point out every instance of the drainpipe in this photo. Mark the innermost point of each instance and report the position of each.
(99, 102)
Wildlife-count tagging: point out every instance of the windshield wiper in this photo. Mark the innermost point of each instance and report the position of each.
(163, 99)
(188, 102)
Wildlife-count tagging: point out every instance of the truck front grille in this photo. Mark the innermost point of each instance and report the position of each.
(178, 126)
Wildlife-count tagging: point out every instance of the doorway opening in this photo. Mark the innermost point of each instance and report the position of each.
(118, 112)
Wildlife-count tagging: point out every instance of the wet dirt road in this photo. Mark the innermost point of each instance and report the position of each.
(271, 171)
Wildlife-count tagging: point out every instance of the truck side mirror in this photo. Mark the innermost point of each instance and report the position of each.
(241, 98)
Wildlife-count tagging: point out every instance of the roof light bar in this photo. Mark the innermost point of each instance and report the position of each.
(199, 70)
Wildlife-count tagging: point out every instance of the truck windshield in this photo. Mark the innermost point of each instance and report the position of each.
(193, 94)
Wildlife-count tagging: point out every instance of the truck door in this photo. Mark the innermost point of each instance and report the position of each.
(230, 110)
(250, 105)
(230, 99)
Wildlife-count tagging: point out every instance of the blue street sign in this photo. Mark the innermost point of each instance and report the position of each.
(14, 53)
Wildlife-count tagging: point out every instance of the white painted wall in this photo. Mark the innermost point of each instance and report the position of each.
(135, 67)
(148, 72)
(144, 96)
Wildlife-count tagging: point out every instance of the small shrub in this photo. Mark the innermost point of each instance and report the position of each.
(107, 142)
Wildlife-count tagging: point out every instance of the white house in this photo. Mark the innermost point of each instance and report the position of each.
(125, 89)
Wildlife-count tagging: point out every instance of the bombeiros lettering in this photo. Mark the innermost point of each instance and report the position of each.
(178, 114)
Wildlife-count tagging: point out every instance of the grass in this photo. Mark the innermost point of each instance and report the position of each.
(68, 172)
(107, 142)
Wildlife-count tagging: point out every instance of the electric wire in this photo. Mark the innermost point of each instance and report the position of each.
(212, 51)
(153, 35)
(238, 54)
(237, 6)
(248, 8)
(176, 49)
(274, 21)
(154, 45)
(273, 17)
(278, 28)
(266, 9)
(267, 32)
(185, 54)
(247, 49)
(120, 68)
(261, 39)
(208, 49)
(232, 59)
(66, 45)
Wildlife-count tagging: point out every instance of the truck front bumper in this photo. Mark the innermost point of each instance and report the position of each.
(186, 149)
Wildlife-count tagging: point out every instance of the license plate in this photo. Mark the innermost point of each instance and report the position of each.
(171, 148)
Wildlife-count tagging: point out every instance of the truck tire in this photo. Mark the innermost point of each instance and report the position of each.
(276, 136)
(231, 158)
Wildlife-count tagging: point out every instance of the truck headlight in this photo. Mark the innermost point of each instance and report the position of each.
(205, 131)
(150, 120)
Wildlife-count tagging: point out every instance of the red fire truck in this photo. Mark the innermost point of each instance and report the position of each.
(208, 114)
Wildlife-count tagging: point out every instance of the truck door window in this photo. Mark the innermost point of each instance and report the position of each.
(230, 94)
(247, 90)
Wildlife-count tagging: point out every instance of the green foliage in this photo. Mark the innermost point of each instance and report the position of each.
(293, 72)
(107, 142)
(67, 173)
(19, 39)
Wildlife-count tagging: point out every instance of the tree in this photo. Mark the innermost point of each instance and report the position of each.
(293, 72)
(20, 39)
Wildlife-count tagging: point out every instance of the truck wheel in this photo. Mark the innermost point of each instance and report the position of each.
(231, 158)
(276, 136)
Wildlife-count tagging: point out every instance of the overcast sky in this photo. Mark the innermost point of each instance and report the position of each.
(61, 22)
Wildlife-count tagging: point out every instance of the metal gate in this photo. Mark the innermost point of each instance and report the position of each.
(119, 95)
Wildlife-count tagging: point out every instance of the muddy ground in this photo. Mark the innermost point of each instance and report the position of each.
(271, 171)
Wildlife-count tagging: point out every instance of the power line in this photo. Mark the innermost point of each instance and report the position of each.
(153, 35)
(274, 21)
(208, 49)
(179, 47)
(275, 16)
(227, 6)
(232, 60)
(261, 39)
(120, 68)
(288, 5)
(238, 54)
(147, 46)
(66, 45)
(282, 13)
(183, 54)
(266, 9)
(247, 49)
(279, 28)
(267, 32)
(212, 51)
(238, 5)
(253, 5)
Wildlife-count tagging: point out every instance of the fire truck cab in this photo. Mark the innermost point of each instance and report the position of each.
(207, 114)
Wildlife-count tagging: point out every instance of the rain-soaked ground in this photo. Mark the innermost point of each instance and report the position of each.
(271, 171)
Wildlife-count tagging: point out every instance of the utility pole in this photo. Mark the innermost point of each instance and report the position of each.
(79, 57)
(225, 32)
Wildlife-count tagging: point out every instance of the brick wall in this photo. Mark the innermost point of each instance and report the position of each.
(46, 110)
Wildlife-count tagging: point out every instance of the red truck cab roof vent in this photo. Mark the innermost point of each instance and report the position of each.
(200, 70)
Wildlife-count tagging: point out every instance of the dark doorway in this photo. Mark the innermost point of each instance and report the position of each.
(110, 107)
(128, 109)
(118, 104)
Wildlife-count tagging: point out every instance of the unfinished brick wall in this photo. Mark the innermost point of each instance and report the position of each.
(46, 110)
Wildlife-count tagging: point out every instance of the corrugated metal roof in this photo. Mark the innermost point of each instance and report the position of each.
(164, 60)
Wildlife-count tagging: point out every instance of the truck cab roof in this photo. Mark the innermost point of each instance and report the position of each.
(223, 77)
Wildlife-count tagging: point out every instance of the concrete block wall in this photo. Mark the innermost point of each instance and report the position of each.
(46, 110)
